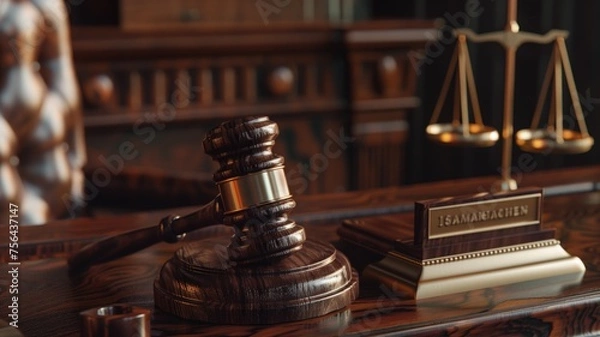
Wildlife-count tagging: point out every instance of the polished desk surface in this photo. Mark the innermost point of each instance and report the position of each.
(51, 299)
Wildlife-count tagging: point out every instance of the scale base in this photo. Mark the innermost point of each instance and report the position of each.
(201, 283)
(451, 274)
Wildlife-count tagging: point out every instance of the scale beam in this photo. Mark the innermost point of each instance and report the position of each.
(509, 39)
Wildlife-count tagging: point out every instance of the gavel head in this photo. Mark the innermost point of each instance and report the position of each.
(254, 190)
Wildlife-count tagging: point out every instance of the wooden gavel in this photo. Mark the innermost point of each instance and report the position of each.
(254, 199)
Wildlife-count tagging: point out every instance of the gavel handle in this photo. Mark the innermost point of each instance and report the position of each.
(170, 229)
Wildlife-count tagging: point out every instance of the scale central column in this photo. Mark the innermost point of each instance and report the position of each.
(512, 27)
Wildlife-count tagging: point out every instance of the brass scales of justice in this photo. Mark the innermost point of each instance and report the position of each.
(490, 239)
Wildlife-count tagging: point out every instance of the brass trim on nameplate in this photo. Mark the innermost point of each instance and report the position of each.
(253, 189)
(483, 216)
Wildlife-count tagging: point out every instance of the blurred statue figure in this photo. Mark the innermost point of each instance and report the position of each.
(42, 148)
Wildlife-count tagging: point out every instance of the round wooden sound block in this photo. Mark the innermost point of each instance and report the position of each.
(201, 283)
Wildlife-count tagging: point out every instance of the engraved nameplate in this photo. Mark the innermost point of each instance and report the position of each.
(483, 216)
(450, 217)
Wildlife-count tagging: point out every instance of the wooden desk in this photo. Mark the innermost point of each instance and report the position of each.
(50, 300)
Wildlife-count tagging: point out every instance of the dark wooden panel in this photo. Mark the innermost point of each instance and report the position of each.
(154, 15)
(383, 81)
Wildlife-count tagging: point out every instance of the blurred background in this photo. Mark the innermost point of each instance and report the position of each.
(352, 84)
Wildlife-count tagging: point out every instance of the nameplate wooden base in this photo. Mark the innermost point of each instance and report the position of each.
(200, 283)
(470, 242)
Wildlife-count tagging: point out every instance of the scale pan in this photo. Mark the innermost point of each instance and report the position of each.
(544, 141)
(452, 134)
